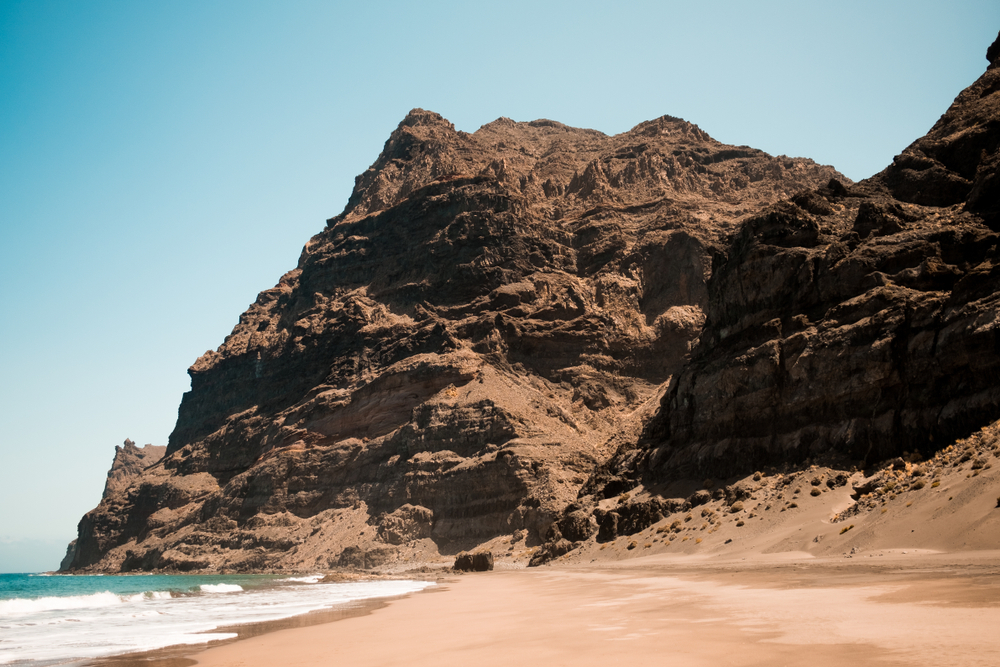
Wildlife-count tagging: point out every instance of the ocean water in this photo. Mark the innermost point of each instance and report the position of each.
(55, 619)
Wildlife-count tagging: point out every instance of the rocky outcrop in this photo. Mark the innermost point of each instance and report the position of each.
(542, 334)
(477, 562)
(957, 162)
(847, 325)
(491, 316)
(100, 527)
(128, 464)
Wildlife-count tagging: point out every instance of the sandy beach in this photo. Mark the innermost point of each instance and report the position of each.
(904, 609)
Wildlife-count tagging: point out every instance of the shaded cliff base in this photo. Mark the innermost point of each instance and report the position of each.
(948, 503)
(901, 507)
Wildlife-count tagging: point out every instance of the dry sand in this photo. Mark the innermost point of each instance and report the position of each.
(929, 609)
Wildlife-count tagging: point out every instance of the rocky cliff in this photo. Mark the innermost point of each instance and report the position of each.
(504, 327)
(843, 327)
(96, 537)
(853, 322)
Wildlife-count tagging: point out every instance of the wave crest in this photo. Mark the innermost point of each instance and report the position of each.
(19, 606)
(309, 579)
(220, 588)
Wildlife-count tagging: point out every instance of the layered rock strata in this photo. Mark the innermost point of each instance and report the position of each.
(100, 528)
(542, 335)
(491, 316)
(845, 326)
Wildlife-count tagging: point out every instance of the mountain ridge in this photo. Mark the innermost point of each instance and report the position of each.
(499, 333)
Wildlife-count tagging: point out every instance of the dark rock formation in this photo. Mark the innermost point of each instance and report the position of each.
(128, 464)
(477, 562)
(511, 330)
(486, 322)
(851, 323)
(67, 561)
(545, 332)
(956, 163)
(99, 529)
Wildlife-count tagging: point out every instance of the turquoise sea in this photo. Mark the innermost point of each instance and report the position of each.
(54, 619)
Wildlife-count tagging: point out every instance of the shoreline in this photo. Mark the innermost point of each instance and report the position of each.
(912, 609)
(179, 655)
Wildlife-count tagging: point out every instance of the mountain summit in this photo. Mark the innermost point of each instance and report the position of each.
(506, 333)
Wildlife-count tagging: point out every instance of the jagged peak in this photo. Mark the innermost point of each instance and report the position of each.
(531, 127)
(670, 125)
(417, 117)
(502, 121)
(545, 122)
(993, 53)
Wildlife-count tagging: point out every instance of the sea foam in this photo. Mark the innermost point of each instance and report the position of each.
(309, 579)
(20, 607)
(48, 629)
(221, 588)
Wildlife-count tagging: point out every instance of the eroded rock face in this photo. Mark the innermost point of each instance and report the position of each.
(128, 464)
(957, 162)
(849, 323)
(484, 324)
(100, 528)
(508, 332)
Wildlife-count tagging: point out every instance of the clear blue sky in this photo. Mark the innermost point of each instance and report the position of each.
(162, 162)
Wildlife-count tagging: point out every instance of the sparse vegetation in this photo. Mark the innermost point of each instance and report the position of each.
(846, 528)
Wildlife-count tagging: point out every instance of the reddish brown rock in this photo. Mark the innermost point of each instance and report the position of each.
(545, 332)
(487, 321)
(848, 324)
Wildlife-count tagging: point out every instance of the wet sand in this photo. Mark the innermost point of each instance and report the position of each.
(917, 609)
